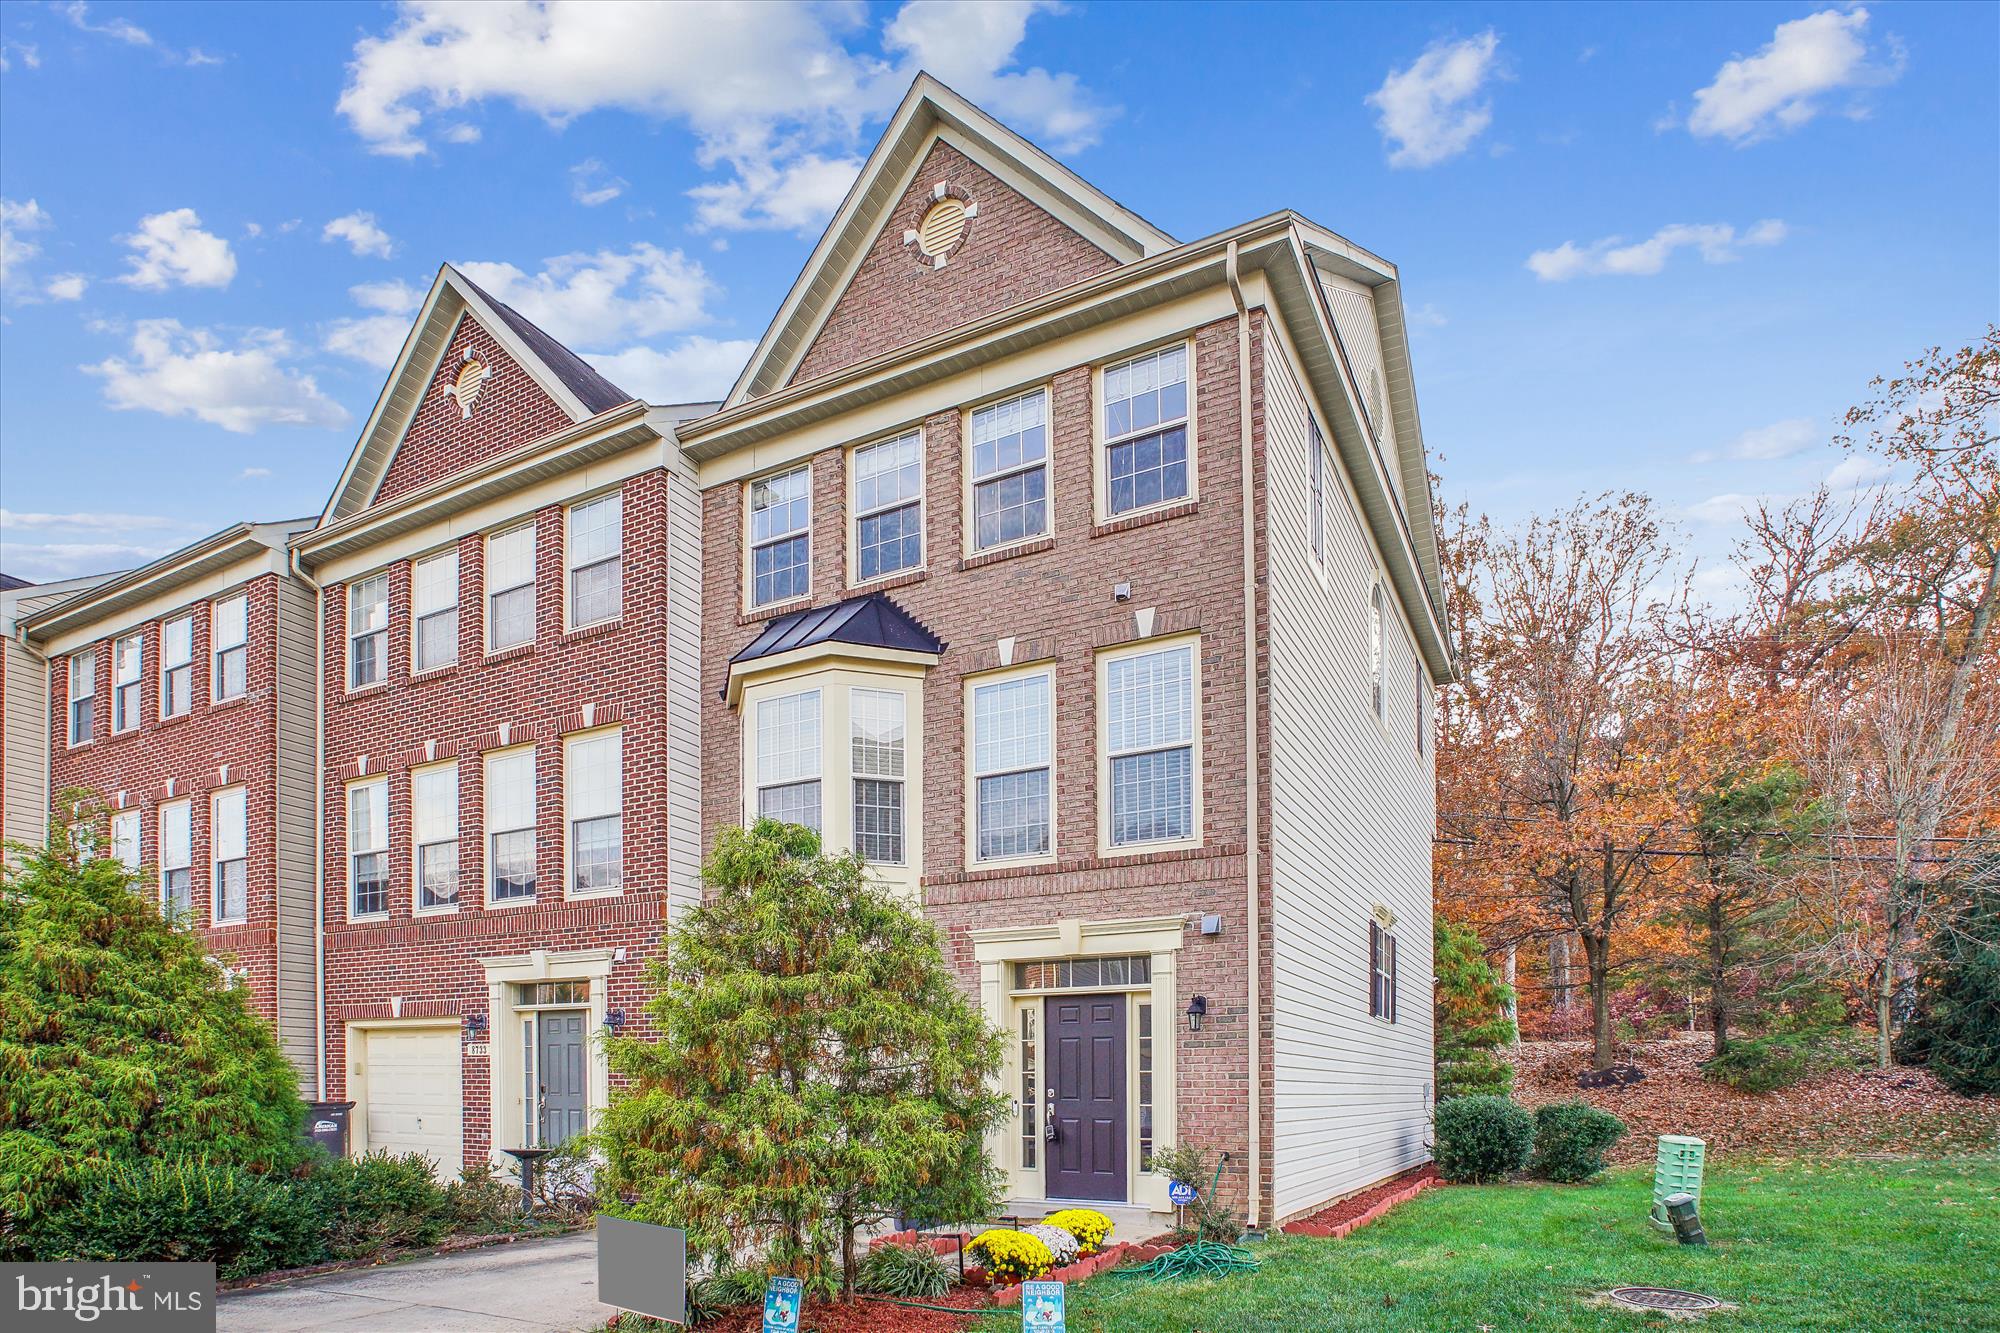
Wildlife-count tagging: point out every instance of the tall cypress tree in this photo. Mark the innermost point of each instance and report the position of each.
(816, 1069)
(1472, 1018)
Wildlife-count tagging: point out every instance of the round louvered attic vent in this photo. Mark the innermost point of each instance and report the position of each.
(943, 225)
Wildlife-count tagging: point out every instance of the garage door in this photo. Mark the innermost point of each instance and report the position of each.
(414, 1103)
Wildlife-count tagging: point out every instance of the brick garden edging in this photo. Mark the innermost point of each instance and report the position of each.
(1088, 1266)
(1335, 1230)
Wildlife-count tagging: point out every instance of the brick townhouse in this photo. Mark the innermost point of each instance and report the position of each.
(1080, 578)
(1084, 581)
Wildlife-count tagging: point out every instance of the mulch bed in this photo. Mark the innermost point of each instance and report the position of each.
(1358, 1210)
(871, 1316)
(1898, 1112)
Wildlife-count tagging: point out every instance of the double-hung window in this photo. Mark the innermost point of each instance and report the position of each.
(510, 825)
(594, 788)
(510, 588)
(781, 537)
(434, 612)
(229, 850)
(1150, 721)
(127, 655)
(368, 848)
(1012, 752)
(434, 829)
(229, 646)
(82, 695)
(1146, 430)
(788, 758)
(1010, 470)
(177, 667)
(125, 838)
(368, 631)
(595, 555)
(176, 860)
(1321, 474)
(889, 506)
(1376, 700)
(876, 721)
(1381, 973)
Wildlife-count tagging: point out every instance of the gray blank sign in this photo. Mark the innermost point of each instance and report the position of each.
(642, 1268)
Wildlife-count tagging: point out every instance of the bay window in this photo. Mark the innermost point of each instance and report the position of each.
(877, 725)
(788, 758)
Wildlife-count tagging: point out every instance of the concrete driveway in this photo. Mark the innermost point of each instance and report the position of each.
(549, 1286)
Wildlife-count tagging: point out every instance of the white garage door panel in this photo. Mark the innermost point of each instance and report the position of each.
(414, 1098)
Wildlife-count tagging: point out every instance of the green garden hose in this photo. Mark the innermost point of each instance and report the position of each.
(1201, 1258)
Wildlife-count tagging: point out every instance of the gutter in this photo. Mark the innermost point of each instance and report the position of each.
(319, 825)
(1253, 913)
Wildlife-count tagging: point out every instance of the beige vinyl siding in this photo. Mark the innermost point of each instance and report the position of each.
(684, 676)
(296, 837)
(1353, 307)
(1352, 811)
(24, 749)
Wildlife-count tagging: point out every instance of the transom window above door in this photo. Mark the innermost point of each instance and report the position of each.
(1146, 431)
(780, 537)
(537, 994)
(889, 506)
(1084, 973)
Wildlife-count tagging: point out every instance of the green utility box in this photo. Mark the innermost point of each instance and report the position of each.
(1677, 1169)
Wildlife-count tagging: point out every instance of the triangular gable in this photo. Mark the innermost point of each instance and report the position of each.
(873, 213)
(475, 379)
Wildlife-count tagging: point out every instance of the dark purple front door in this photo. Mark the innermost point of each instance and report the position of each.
(1086, 1097)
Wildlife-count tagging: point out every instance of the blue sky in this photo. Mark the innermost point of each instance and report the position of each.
(1652, 247)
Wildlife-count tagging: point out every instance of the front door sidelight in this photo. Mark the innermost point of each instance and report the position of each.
(1085, 1124)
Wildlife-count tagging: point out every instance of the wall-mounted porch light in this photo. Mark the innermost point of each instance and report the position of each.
(1197, 1009)
(614, 1020)
(475, 1027)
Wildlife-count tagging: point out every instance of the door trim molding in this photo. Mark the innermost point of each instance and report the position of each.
(507, 1113)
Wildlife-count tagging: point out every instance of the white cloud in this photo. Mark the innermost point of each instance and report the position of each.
(1427, 316)
(13, 520)
(782, 124)
(1856, 471)
(1720, 510)
(66, 545)
(1717, 243)
(171, 249)
(66, 287)
(375, 340)
(607, 298)
(254, 473)
(592, 183)
(362, 234)
(182, 372)
(1780, 439)
(1430, 110)
(118, 30)
(396, 297)
(461, 134)
(695, 370)
(27, 53)
(49, 561)
(1806, 63)
(16, 220)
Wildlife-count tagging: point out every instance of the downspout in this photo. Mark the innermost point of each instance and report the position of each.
(319, 824)
(1253, 907)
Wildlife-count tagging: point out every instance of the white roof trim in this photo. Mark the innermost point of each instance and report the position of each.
(929, 111)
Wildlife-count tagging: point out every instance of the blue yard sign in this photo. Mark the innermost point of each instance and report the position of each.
(781, 1305)
(1180, 1195)
(1042, 1307)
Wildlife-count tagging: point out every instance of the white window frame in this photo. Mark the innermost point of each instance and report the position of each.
(125, 719)
(1107, 440)
(426, 838)
(496, 829)
(218, 649)
(421, 611)
(572, 568)
(861, 514)
(975, 479)
(86, 659)
(380, 786)
(1108, 754)
(1423, 713)
(218, 864)
(1321, 466)
(494, 592)
(169, 668)
(572, 816)
(1377, 650)
(974, 774)
(863, 766)
(126, 831)
(763, 780)
(176, 859)
(380, 652)
(756, 544)
(1381, 971)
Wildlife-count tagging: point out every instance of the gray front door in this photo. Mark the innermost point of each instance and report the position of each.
(1086, 1097)
(562, 1067)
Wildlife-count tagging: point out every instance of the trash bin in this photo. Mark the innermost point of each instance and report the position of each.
(326, 1125)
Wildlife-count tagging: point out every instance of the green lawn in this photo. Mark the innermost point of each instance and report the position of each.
(1841, 1245)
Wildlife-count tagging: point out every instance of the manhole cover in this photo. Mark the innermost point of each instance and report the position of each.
(1663, 1298)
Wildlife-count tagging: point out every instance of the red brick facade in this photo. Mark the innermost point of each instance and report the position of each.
(1013, 250)
(184, 758)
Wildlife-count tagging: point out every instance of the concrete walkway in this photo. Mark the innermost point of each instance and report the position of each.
(549, 1286)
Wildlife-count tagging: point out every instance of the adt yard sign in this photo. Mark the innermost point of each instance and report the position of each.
(1180, 1195)
(781, 1305)
(1042, 1307)
(642, 1268)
